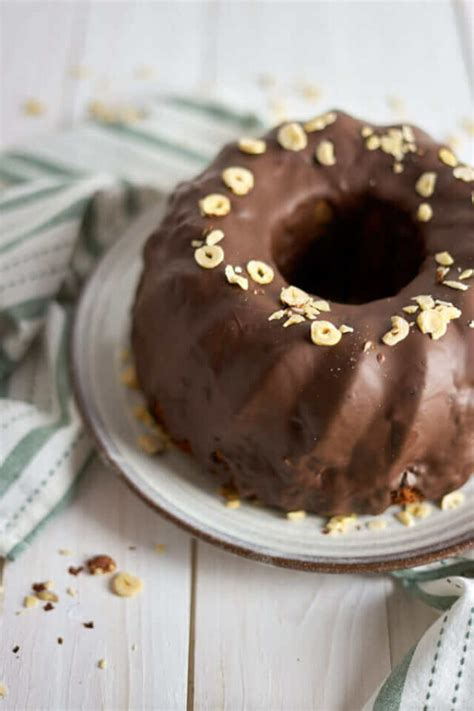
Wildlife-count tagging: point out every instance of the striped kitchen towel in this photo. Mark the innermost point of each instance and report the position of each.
(64, 201)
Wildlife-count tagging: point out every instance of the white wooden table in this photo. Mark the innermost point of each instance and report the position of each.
(211, 631)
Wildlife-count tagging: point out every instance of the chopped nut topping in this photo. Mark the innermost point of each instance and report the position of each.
(373, 142)
(447, 157)
(340, 523)
(277, 315)
(102, 664)
(346, 329)
(397, 167)
(399, 331)
(424, 301)
(322, 305)
(320, 122)
(368, 346)
(452, 500)
(215, 205)
(432, 322)
(213, 237)
(310, 311)
(294, 319)
(419, 509)
(260, 272)
(471, 324)
(411, 309)
(150, 443)
(292, 296)
(456, 285)
(425, 185)
(441, 273)
(239, 180)
(296, 515)
(366, 131)
(234, 278)
(291, 137)
(449, 312)
(405, 518)
(196, 243)
(408, 133)
(325, 333)
(128, 377)
(209, 256)
(464, 173)
(325, 153)
(466, 274)
(444, 258)
(252, 146)
(377, 524)
(101, 564)
(126, 584)
(30, 601)
(424, 212)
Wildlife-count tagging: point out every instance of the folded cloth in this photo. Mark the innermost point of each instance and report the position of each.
(65, 200)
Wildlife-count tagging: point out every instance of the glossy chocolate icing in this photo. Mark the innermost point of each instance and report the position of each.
(299, 426)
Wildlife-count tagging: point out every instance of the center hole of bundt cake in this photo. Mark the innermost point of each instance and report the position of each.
(350, 254)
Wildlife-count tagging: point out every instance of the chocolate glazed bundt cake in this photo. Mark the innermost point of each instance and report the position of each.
(304, 321)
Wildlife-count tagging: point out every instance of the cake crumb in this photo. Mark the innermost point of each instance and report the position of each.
(102, 664)
(128, 377)
(65, 551)
(71, 591)
(3, 690)
(30, 601)
(33, 107)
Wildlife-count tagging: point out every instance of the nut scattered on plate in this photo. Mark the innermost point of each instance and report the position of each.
(452, 500)
(298, 515)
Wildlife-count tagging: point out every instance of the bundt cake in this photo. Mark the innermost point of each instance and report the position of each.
(303, 325)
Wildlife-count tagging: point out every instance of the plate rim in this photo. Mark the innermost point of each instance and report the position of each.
(103, 441)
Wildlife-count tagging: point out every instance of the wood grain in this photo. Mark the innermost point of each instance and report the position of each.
(105, 518)
(213, 631)
(269, 639)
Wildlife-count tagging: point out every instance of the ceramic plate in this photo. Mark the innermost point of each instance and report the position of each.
(177, 487)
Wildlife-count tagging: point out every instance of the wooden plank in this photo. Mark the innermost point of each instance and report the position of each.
(268, 638)
(360, 54)
(104, 518)
(134, 50)
(36, 41)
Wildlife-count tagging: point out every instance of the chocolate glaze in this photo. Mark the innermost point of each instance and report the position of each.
(325, 429)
